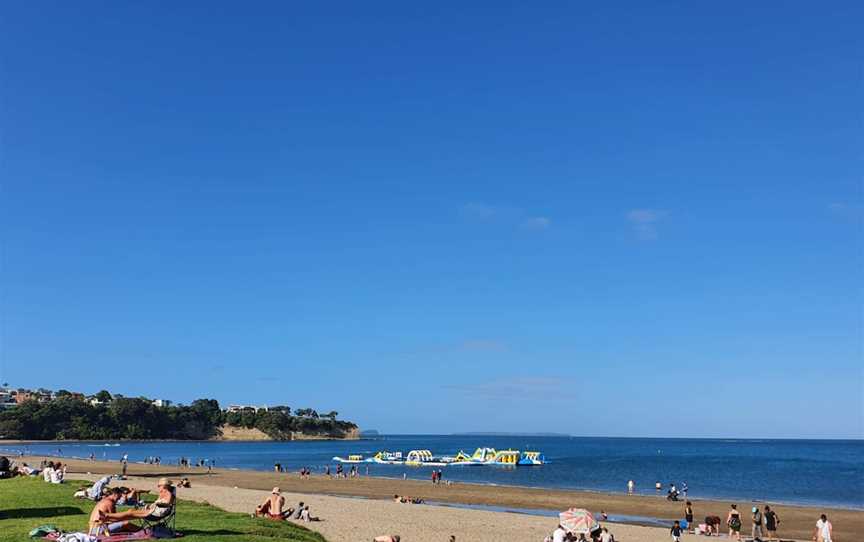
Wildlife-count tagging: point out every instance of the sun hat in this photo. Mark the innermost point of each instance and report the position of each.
(276, 490)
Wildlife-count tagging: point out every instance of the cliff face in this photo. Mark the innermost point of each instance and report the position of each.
(352, 434)
(231, 432)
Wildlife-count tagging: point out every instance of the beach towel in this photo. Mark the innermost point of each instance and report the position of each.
(143, 534)
(76, 537)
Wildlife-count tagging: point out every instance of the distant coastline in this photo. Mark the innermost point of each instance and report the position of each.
(507, 434)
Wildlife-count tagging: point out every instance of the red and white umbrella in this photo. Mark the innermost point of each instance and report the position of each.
(578, 520)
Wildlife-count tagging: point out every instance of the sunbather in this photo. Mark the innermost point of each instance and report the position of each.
(160, 509)
(94, 492)
(107, 505)
(273, 505)
(306, 516)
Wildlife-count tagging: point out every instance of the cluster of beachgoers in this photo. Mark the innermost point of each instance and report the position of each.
(119, 508)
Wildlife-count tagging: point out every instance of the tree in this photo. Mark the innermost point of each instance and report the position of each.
(103, 396)
(332, 415)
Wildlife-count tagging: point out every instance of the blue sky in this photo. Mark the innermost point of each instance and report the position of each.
(639, 219)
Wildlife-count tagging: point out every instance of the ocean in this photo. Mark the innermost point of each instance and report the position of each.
(812, 472)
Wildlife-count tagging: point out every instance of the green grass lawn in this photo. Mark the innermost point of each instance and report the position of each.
(28, 502)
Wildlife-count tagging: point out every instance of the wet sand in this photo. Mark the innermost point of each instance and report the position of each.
(796, 521)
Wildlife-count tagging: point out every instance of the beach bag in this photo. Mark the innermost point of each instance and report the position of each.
(44, 530)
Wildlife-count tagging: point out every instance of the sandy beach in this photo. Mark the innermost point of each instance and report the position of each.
(349, 518)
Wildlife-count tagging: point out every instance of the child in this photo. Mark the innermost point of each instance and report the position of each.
(676, 532)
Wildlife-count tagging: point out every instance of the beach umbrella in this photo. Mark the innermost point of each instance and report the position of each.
(578, 520)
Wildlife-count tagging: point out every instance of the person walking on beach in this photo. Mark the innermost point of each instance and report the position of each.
(733, 521)
(684, 490)
(631, 485)
(771, 523)
(675, 531)
(688, 515)
(757, 524)
(824, 530)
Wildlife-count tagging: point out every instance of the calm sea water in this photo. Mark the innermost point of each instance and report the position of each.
(829, 473)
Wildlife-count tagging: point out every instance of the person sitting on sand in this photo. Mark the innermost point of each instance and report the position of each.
(273, 505)
(106, 505)
(306, 516)
(160, 508)
(396, 499)
(184, 482)
(387, 538)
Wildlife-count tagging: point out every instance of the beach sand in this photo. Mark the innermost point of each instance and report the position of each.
(354, 519)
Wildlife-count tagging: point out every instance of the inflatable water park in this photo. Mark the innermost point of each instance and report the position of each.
(425, 458)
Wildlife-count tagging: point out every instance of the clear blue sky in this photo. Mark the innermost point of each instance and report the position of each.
(639, 219)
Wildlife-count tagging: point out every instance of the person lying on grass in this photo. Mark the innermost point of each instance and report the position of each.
(154, 512)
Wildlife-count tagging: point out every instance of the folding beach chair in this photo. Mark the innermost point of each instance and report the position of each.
(164, 524)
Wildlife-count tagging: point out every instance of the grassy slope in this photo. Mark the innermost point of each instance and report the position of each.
(27, 503)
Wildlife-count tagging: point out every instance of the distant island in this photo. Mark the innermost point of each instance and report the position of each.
(65, 415)
(498, 434)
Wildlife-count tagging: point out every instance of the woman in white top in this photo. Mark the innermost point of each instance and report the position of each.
(824, 529)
